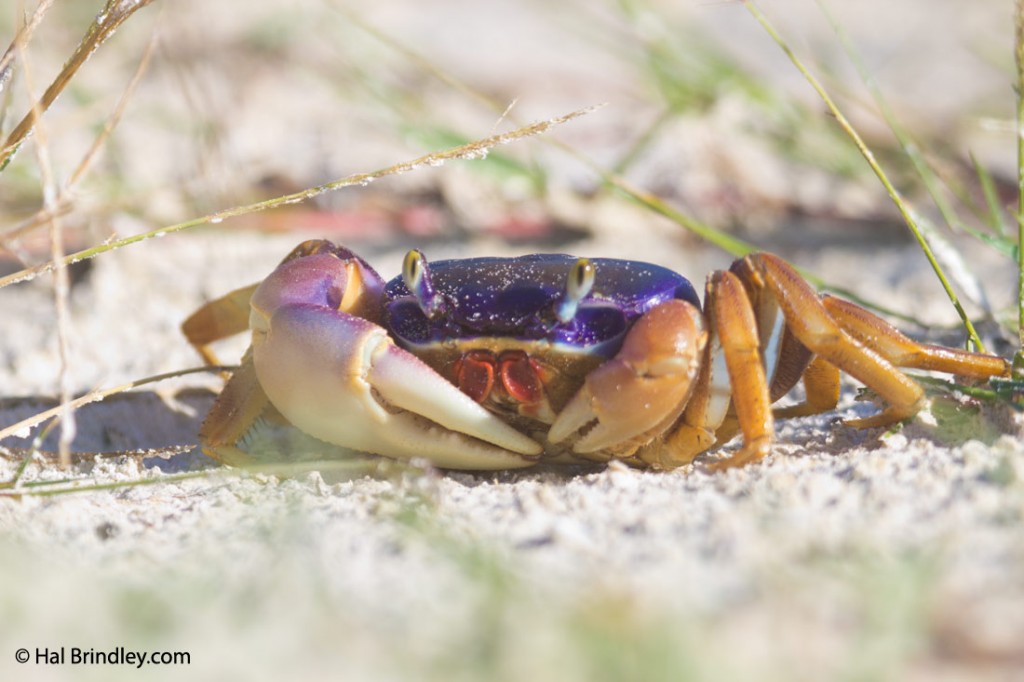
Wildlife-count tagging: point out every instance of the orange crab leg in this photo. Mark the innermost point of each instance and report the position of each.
(810, 321)
(821, 388)
(218, 319)
(696, 432)
(737, 331)
(701, 425)
(902, 351)
(239, 405)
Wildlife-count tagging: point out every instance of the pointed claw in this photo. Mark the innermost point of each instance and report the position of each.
(641, 391)
(341, 379)
(403, 380)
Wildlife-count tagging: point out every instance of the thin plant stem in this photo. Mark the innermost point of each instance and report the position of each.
(613, 178)
(21, 39)
(61, 282)
(907, 145)
(115, 13)
(36, 449)
(1018, 360)
(969, 284)
(64, 203)
(472, 150)
(96, 396)
(50, 488)
(902, 206)
(86, 162)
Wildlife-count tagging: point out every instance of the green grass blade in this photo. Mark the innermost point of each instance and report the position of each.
(907, 145)
(902, 206)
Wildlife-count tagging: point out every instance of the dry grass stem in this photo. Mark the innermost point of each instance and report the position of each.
(472, 150)
(63, 203)
(115, 13)
(21, 39)
(61, 282)
(1019, 61)
(95, 396)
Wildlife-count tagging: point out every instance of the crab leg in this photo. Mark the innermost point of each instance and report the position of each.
(699, 428)
(736, 327)
(902, 351)
(636, 395)
(705, 411)
(218, 319)
(240, 404)
(810, 321)
(821, 388)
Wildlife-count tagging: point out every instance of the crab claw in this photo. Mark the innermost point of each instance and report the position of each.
(340, 378)
(636, 395)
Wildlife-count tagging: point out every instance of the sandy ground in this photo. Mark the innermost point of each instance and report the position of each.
(889, 557)
(844, 555)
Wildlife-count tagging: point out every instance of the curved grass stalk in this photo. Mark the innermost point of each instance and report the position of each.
(473, 150)
(72, 485)
(19, 42)
(61, 281)
(901, 205)
(36, 448)
(944, 252)
(95, 396)
(57, 415)
(63, 203)
(354, 468)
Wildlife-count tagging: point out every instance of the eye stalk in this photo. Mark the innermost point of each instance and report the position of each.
(416, 275)
(577, 286)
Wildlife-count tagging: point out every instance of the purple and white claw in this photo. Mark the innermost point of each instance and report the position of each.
(341, 379)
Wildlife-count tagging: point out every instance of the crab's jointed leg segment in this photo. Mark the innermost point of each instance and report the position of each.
(737, 330)
(240, 403)
(821, 390)
(810, 322)
(218, 319)
(902, 351)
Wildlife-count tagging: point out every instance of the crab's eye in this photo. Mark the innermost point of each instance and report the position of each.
(581, 279)
(578, 284)
(412, 269)
(416, 276)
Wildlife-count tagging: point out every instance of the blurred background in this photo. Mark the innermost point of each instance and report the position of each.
(251, 100)
(237, 102)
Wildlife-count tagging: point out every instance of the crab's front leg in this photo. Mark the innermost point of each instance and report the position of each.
(734, 385)
(338, 376)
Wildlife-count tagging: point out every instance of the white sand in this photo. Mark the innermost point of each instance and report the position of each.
(838, 547)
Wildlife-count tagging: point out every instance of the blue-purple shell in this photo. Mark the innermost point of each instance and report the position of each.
(517, 298)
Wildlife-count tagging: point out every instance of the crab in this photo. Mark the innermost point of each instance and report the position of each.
(501, 363)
